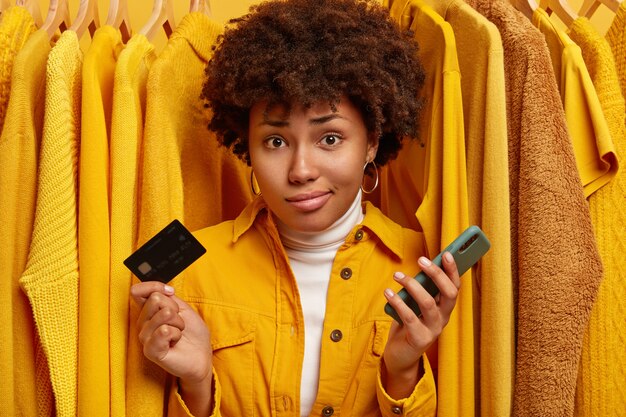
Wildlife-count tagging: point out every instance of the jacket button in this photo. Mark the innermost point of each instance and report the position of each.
(336, 335)
(346, 273)
(358, 235)
(328, 411)
(396, 409)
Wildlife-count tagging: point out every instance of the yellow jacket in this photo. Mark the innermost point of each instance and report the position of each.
(256, 322)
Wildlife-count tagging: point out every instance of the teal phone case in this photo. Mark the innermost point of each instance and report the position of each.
(466, 249)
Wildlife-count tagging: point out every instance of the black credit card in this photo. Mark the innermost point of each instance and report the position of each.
(166, 254)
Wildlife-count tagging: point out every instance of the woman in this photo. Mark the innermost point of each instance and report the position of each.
(284, 313)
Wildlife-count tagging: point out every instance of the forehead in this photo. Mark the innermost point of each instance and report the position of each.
(264, 111)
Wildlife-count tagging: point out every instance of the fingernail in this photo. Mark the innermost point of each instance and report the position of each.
(168, 290)
(448, 257)
(398, 276)
(424, 261)
(389, 293)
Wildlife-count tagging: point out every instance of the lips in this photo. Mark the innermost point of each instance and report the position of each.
(309, 201)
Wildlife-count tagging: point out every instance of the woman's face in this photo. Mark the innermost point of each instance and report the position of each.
(309, 161)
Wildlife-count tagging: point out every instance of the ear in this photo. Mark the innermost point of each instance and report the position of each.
(372, 146)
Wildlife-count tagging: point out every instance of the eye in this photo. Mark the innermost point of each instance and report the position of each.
(274, 142)
(331, 139)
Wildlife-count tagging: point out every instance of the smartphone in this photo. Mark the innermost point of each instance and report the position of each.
(466, 250)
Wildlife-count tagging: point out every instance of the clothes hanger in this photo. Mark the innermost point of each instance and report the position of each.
(202, 6)
(118, 18)
(58, 17)
(87, 18)
(561, 8)
(33, 8)
(162, 16)
(590, 6)
(527, 7)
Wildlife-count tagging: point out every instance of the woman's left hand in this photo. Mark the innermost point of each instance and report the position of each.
(409, 341)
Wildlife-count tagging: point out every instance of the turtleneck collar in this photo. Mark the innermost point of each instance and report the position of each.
(332, 237)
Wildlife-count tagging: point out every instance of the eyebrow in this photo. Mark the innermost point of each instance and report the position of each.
(315, 121)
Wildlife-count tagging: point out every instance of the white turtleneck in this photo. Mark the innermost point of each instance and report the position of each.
(311, 256)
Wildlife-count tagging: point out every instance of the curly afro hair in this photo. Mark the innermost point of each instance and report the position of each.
(304, 51)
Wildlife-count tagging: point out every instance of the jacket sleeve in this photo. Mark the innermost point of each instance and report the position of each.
(421, 402)
(176, 407)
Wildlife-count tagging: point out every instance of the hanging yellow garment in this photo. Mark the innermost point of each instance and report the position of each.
(600, 389)
(185, 174)
(129, 103)
(93, 222)
(616, 36)
(425, 188)
(593, 148)
(26, 390)
(481, 62)
(16, 25)
(51, 276)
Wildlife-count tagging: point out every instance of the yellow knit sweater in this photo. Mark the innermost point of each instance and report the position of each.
(51, 276)
(601, 390)
(185, 175)
(616, 37)
(16, 25)
(129, 101)
(21, 356)
(93, 222)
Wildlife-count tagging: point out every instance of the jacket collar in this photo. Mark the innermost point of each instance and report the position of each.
(375, 222)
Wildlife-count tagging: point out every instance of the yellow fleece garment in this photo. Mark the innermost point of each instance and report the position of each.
(51, 276)
(129, 104)
(484, 118)
(600, 390)
(185, 174)
(425, 189)
(93, 222)
(26, 391)
(257, 327)
(16, 25)
(593, 147)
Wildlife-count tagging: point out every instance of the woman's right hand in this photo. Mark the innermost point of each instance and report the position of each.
(173, 335)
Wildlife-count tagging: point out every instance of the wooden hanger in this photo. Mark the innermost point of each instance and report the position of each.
(162, 17)
(33, 8)
(58, 17)
(562, 9)
(87, 18)
(590, 6)
(118, 18)
(527, 7)
(202, 6)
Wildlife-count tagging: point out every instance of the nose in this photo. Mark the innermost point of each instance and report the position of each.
(303, 167)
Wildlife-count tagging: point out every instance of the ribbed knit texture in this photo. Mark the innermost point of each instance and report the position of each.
(19, 154)
(601, 389)
(185, 174)
(51, 276)
(93, 222)
(616, 36)
(556, 266)
(129, 104)
(16, 25)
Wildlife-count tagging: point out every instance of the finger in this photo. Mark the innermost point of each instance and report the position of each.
(425, 301)
(140, 292)
(445, 282)
(165, 316)
(155, 302)
(157, 346)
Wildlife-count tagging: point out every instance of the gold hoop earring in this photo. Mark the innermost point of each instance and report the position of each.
(252, 181)
(371, 190)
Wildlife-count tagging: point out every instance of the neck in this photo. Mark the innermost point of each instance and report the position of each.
(333, 236)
